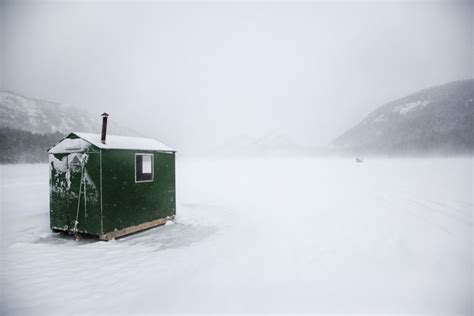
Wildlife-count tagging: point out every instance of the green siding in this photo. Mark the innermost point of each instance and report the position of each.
(91, 217)
(64, 194)
(113, 200)
(127, 203)
(58, 196)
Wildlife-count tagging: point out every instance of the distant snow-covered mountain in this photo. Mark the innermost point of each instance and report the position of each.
(28, 127)
(45, 117)
(435, 120)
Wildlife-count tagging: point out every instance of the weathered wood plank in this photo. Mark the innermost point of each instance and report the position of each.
(134, 229)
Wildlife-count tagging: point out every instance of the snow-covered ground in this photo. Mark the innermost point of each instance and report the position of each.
(257, 235)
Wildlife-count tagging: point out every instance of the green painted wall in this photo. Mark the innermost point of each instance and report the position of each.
(113, 199)
(58, 194)
(65, 180)
(126, 203)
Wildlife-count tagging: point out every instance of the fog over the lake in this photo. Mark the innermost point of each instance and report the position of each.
(197, 75)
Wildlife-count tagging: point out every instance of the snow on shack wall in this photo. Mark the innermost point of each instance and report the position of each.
(74, 195)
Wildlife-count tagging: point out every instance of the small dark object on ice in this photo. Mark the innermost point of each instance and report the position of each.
(359, 160)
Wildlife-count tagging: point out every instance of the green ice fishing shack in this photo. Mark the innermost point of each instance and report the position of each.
(110, 186)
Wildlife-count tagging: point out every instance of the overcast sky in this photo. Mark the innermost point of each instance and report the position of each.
(201, 74)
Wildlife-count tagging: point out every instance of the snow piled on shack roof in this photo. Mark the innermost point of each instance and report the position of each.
(111, 142)
(124, 142)
(69, 145)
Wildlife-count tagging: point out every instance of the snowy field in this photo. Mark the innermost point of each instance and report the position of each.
(257, 236)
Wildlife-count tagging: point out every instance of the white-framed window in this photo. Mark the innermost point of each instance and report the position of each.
(144, 167)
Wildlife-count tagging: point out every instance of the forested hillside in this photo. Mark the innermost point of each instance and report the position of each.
(17, 146)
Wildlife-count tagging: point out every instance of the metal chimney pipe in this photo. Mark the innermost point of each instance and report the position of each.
(104, 127)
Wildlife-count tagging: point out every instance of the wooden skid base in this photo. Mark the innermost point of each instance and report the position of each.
(134, 229)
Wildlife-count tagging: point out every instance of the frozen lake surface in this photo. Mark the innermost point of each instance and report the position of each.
(257, 235)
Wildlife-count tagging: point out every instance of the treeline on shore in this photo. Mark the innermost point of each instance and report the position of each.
(18, 146)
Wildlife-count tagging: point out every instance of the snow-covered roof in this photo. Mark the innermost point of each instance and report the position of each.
(118, 142)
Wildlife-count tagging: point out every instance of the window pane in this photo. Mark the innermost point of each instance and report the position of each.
(138, 167)
(146, 164)
(143, 167)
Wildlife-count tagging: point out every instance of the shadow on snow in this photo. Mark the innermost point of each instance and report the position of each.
(159, 238)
